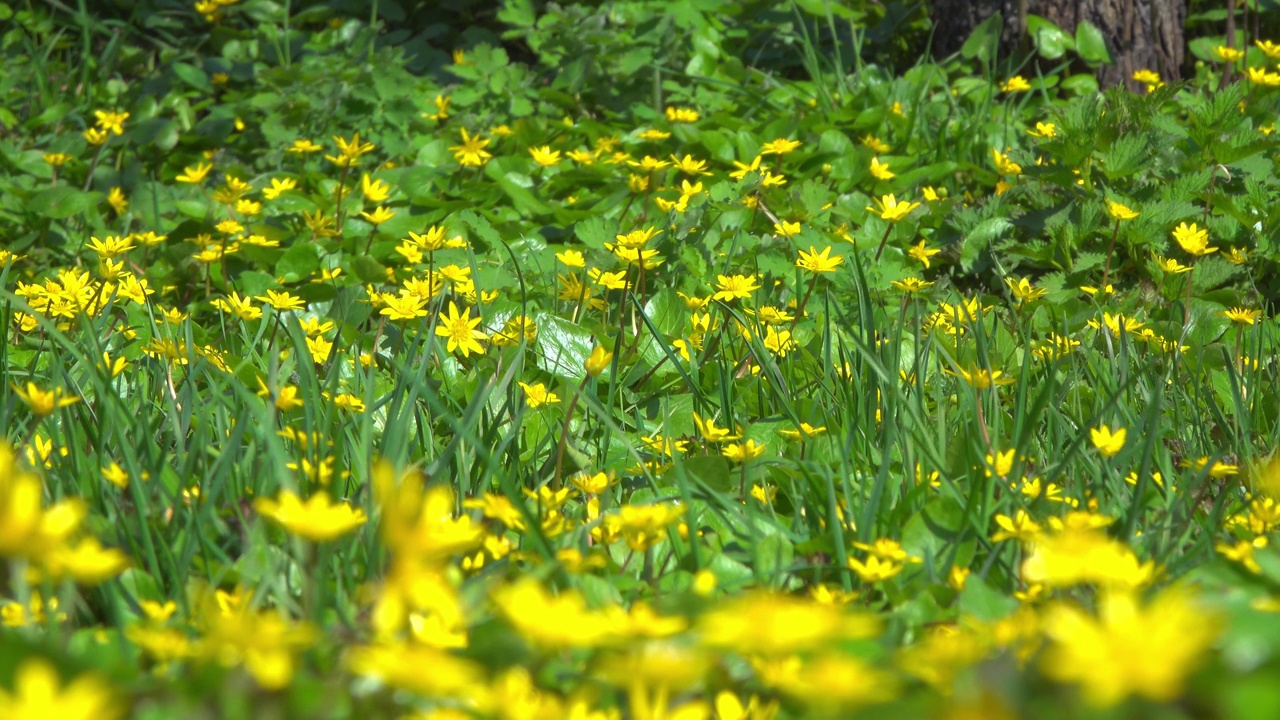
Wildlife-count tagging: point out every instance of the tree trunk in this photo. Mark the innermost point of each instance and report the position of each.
(1141, 34)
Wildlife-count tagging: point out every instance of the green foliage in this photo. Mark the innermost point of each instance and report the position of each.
(636, 359)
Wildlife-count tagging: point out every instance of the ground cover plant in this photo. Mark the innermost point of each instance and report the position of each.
(640, 378)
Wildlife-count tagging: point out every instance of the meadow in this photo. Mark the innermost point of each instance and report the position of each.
(729, 363)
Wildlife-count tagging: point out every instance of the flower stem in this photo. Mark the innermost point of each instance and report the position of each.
(1106, 269)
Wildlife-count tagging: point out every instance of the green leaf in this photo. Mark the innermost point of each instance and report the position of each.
(60, 203)
(980, 237)
(982, 42)
(565, 346)
(1091, 44)
(981, 602)
(299, 262)
(193, 76)
(516, 186)
(1051, 41)
(594, 232)
(773, 555)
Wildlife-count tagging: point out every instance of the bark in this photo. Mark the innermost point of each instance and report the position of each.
(1141, 34)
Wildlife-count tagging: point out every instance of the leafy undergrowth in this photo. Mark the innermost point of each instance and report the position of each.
(335, 391)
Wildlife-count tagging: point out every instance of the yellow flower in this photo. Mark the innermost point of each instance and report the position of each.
(779, 146)
(874, 143)
(545, 156)
(1171, 266)
(349, 151)
(1219, 469)
(117, 200)
(1108, 443)
(880, 170)
(733, 287)
(1194, 240)
(805, 431)
(786, 229)
(111, 121)
(441, 102)
(1001, 463)
(460, 329)
(819, 262)
(889, 208)
(1228, 54)
(44, 402)
(38, 694)
(1150, 78)
(1024, 291)
(912, 285)
(379, 215)
(537, 395)
(1120, 211)
(875, 570)
(287, 399)
(1019, 527)
(1128, 649)
(1244, 316)
(741, 452)
(471, 153)
(681, 115)
(690, 166)
(318, 519)
(304, 147)
(1044, 130)
(279, 186)
(981, 378)
(1015, 84)
(1004, 165)
(282, 300)
(597, 361)
(375, 191)
(1242, 552)
(194, 175)
(648, 163)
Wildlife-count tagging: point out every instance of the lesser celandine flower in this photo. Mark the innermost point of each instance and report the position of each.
(1120, 211)
(194, 175)
(460, 329)
(735, 287)
(890, 208)
(681, 115)
(779, 146)
(597, 361)
(471, 153)
(317, 519)
(880, 170)
(44, 402)
(1109, 443)
(741, 452)
(1019, 527)
(1129, 648)
(1015, 84)
(818, 262)
(1243, 316)
(1044, 130)
(38, 694)
(545, 156)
